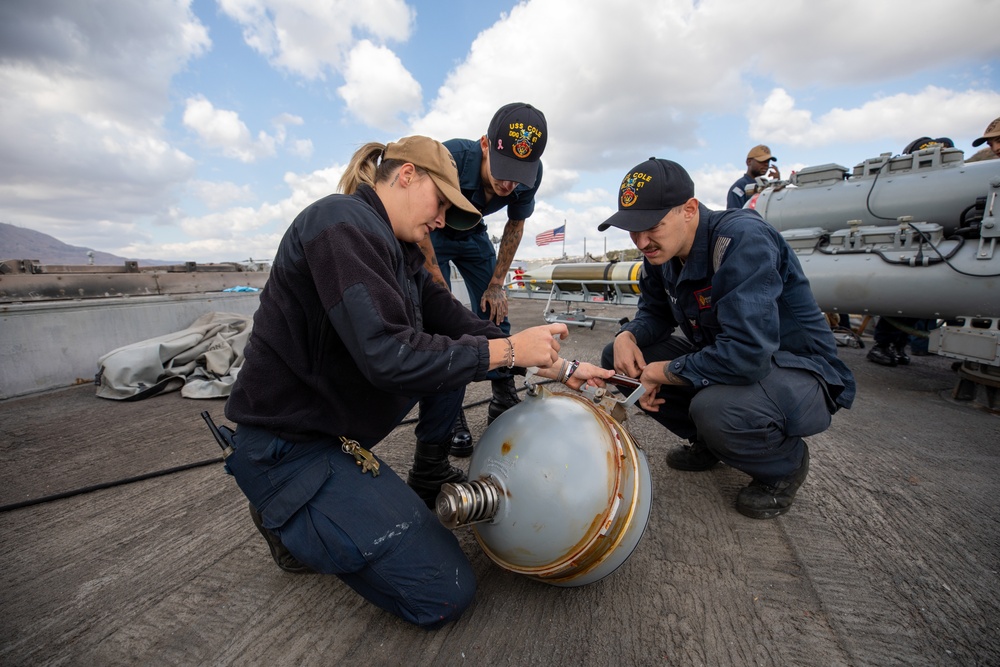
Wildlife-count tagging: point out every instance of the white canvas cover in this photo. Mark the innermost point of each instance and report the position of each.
(202, 361)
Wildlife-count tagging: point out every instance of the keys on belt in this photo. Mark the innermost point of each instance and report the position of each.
(362, 456)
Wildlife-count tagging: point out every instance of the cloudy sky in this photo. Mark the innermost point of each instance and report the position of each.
(195, 130)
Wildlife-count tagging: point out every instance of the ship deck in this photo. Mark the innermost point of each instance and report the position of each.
(143, 552)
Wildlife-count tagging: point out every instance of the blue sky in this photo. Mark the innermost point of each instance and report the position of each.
(196, 130)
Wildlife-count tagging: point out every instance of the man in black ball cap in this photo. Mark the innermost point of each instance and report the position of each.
(728, 341)
(500, 170)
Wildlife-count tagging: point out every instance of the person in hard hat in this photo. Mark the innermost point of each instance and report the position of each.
(991, 137)
(350, 332)
(728, 341)
(760, 162)
(500, 170)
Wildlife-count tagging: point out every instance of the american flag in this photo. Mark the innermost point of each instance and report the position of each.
(551, 236)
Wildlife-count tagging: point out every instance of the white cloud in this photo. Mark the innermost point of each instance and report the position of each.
(310, 38)
(222, 129)
(88, 90)
(833, 43)
(618, 82)
(216, 195)
(556, 181)
(256, 247)
(591, 196)
(611, 82)
(378, 88)
(302, 148)
(288, 119)
(83, 138)
(899, 117)
(711, 184)
(255, 231)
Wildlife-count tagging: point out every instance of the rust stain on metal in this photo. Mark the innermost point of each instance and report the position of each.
(505, 448)
(595, 526)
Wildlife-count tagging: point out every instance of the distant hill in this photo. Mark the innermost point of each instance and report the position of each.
(21, 243)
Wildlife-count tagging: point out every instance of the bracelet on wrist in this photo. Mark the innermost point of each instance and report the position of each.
(561, 376)
(510, 353)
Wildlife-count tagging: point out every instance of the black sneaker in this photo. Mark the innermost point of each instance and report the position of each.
(282, 556)
(461, 438)
(766, 501)
(883, 355)
(693, 458)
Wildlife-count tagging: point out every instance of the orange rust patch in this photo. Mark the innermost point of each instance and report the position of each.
(505, 448)
(594, 527)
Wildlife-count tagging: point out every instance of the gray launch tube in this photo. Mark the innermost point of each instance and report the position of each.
(880, 191)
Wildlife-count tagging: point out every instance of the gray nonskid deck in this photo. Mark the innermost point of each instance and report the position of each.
(890, 555)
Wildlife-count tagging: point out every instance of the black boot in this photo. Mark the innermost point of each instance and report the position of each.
(694, 457)
(902, 358)
(282, 556)
(883, 355)
(431, 469)
(504, 398)
(461, 438)
(761, 500)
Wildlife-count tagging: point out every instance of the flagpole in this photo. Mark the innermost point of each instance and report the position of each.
(564, 238)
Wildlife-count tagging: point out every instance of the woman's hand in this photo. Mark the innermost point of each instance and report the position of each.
(588, 374)
(537, 346)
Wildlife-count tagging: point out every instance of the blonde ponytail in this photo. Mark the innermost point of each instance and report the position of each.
(368, 166)
(362, 168)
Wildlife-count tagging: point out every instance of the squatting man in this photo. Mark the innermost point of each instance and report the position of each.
(728, 340)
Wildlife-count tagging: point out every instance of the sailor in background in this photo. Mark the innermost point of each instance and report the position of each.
(893, 334)
(759, 163)
(991, 137)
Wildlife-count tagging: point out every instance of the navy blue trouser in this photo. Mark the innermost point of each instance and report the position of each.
(374, 533)
(476, 260)
(757, 428)
(888, 334)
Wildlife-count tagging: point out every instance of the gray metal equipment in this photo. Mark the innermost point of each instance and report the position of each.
(615, 283)
(911, 235)
(558, 491)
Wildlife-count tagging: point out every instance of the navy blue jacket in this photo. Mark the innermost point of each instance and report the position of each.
(737, 196)
(350, 327)
(742, 299)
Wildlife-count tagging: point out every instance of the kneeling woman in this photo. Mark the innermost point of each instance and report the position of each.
(350, 333)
